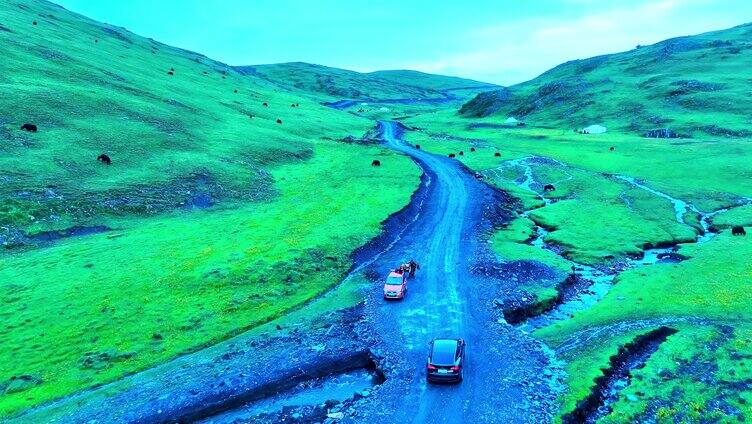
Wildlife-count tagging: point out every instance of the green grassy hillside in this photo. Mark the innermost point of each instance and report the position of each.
(340, 84)
(219, 217)
(690, 85)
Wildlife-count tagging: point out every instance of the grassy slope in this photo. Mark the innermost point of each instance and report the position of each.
(700, 373)
(686, 84)
(167, 280)
(340, 84)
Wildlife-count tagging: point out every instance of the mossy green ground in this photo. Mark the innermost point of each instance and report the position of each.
(289, 204)
(509, 245)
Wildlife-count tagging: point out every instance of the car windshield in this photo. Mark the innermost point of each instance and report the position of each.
(394, 281)
(443, 352)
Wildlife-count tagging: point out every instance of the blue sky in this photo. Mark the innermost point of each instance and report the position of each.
(504, 42)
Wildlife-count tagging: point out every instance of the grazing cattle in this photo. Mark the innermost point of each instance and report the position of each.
(376, 162)
(497, 154)
(292, 105)
(206, 73)
(96, 41)
(29, 127)
(417, 146)
(235, 91)
(361, 110)
(104, 159)
(738, 230)
(472, 149)
(279, 121)
(549, 187)
(520, 124)
(451, 155)
(34, 23)
(170, 73)
(612, 148)
(250, 116)
(462, 153)
(266, 104)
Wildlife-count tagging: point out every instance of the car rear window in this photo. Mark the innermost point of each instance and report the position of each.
(443, 352)
(394, 281)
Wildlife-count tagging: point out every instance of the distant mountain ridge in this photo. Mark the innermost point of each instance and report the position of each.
(345, 84)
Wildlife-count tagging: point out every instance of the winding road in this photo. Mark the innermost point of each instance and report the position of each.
(508, 374)
(450, 298)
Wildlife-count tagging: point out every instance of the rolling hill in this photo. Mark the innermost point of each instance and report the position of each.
(340, 84)
(687, 86)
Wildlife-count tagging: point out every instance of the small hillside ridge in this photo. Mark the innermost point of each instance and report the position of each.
(689, 85)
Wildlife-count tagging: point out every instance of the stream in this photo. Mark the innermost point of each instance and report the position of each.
(600, 277)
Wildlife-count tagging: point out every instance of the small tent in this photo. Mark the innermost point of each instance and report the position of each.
(594, 129)
(511, 121)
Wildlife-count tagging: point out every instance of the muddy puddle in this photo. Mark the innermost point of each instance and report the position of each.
(338, 387)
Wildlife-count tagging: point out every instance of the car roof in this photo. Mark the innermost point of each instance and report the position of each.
(446, 343)
(394, 274)
(443, 351)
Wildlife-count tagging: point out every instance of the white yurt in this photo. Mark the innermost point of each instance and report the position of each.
(594, 129)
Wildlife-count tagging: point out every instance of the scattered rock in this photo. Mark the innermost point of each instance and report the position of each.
(21, 383)
(102, 360)
(663, 133)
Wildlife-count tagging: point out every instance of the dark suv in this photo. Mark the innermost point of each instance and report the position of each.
(445, 361)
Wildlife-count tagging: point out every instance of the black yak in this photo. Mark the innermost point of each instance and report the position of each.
(104, 159)
(29, 127)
